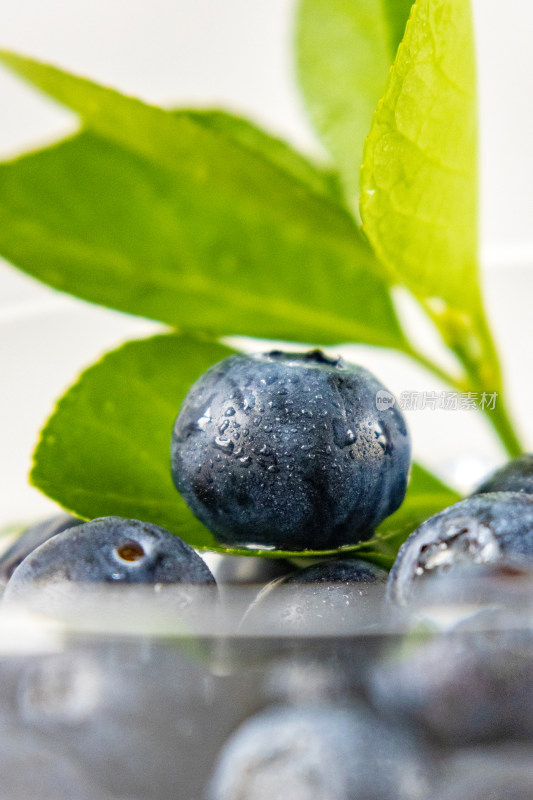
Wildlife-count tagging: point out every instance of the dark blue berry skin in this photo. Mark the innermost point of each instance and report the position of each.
(336, 595)
(516, 476)
(320, 752)
(467, 685)
(483, 529)
(31, 538)
(340, 571)
(110, 550)
(289, 451)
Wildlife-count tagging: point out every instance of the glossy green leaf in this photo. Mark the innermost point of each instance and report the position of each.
(277, 152)
(160, 215)
(396, 13)
(419, 177)
(105, 450)
(344, 52)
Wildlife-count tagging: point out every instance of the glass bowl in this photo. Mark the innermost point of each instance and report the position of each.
(115, 694)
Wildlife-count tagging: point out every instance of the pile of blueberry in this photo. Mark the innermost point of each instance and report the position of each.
(286, 451)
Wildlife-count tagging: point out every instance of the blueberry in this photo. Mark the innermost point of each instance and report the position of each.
(109, 550)
(31, 538)
(483, 529)
(473, 683)
(516, 476)
(505, 584)
(322, 752)
(290, 451)
(142, 717)
(342, 595)
(345, 572)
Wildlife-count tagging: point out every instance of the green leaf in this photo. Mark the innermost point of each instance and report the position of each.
(344, 52)
(319, 179)
(396, 14)
(419, 177)
(105, 449)
(166, 217)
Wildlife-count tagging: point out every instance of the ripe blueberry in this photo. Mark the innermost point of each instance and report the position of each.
(322, 752)
(109, 550)
(472, 683)
(141, 717)
(329, 596)
(516, 476)
(31, 538)
(290, 451)
(483, 529)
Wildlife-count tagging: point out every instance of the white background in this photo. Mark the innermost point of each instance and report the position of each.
(236, 54)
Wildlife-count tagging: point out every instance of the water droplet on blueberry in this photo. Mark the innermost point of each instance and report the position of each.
(226, 445)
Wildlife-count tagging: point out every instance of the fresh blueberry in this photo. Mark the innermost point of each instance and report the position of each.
(289, 451)
(146, 719)
(31, 538)
(322, 752)
(506, 584)
(342, 595)
(483, 529)
(473, 683)
(516, 476)
(108, 550)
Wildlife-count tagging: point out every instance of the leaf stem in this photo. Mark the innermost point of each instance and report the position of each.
(486, 374)
(470, 338)
(504, 427)
(460, 384)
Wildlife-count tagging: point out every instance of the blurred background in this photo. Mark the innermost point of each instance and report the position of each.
(236, 54)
